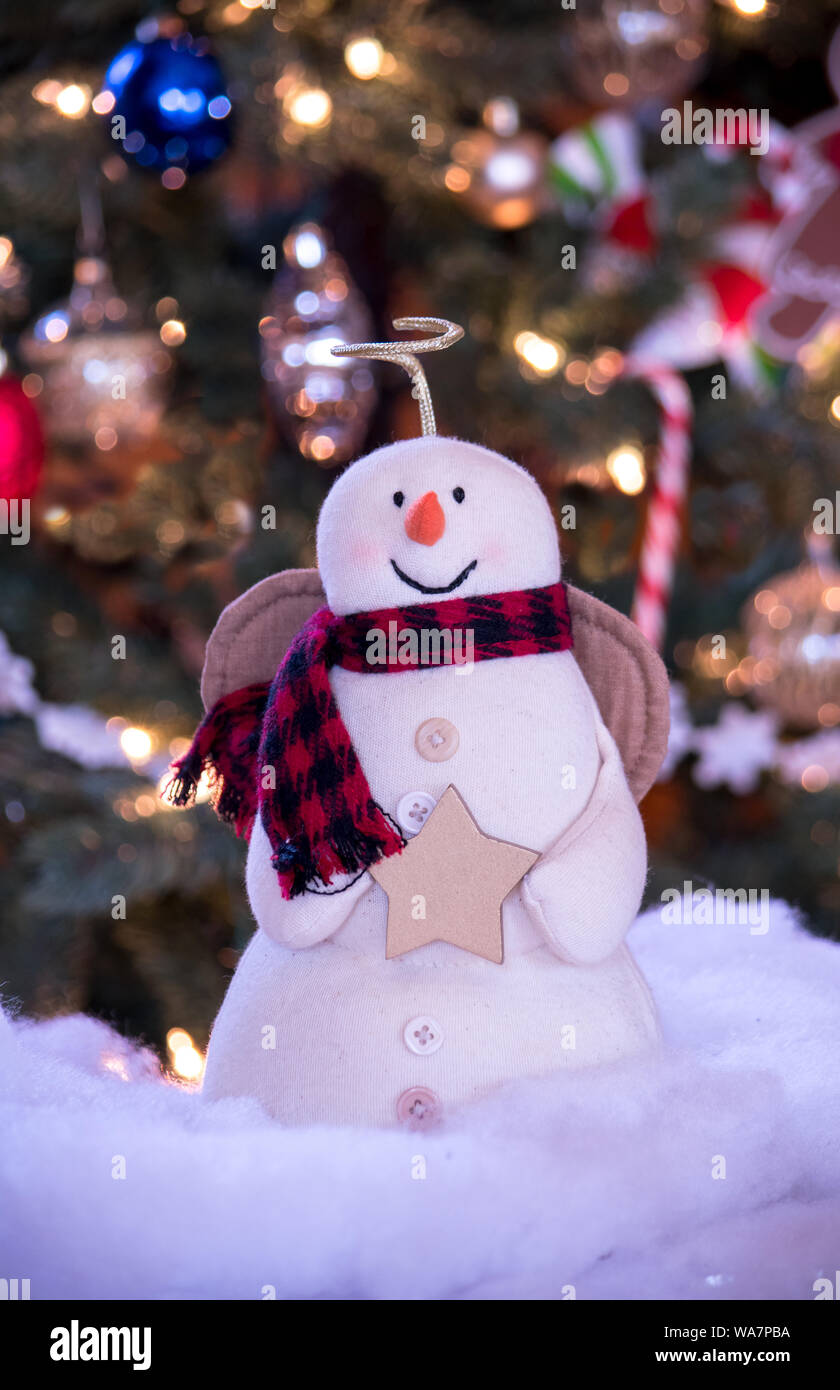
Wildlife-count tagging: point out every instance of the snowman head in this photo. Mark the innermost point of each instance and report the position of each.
(430, 519)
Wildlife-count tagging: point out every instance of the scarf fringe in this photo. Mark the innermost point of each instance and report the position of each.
(226, 798)
(182, 786)
(299, 869)
(230, 799)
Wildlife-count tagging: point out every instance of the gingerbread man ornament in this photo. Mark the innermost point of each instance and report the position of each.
(805, 277)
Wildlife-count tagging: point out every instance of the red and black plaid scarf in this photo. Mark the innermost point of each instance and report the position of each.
(283, 749)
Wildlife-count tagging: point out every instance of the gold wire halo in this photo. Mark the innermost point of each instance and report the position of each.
(445, 334)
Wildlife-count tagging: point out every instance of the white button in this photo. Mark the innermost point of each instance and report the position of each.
(413, 811)
(423, 1035)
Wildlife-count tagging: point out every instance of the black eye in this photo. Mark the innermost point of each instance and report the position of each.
(399, 498)
(458, 494)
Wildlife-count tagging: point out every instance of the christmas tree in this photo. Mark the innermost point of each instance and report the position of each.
(195, 207)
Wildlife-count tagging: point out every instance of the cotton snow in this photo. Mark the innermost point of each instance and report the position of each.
(710, 1172)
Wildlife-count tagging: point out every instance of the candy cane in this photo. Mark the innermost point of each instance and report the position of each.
(662, 527)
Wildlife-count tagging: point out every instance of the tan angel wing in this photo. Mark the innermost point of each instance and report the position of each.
(621, 668)
(249, 640)
(629, 682)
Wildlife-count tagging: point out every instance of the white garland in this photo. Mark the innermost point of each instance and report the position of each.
(72, 730)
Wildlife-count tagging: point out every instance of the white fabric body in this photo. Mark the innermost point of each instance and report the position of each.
(314, 1018)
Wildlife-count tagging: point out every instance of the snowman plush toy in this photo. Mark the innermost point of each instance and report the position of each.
(435, 747)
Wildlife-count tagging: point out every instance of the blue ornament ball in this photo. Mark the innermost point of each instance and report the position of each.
(172, 96)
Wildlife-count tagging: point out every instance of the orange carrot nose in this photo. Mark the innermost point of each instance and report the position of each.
(424, 520)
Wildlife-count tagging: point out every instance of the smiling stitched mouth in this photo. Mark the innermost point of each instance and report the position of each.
(429, 589)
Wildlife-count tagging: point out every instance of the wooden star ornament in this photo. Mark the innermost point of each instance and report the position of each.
(449, 882)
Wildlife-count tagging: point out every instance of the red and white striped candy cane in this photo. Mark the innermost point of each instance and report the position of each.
(662, 527)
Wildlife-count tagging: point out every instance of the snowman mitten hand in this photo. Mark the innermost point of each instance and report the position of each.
(585, 898)
(586, 890)
(303, 920)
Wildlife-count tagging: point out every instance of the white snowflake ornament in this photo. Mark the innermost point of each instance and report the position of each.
(735, 751)
(822, 750)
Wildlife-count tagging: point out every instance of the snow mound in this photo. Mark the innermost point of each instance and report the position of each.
(602, 1185)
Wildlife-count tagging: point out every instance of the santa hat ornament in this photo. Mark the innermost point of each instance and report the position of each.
(435, 746)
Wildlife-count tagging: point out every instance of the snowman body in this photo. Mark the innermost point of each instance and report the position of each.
(317, 1024)
(351, 1033)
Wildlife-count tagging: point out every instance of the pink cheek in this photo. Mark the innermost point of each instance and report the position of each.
(494, 552)
(366, 553)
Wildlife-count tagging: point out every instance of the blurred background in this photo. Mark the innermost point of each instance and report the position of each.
(195, 204)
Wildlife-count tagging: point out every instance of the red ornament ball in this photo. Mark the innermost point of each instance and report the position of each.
(21, 442)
